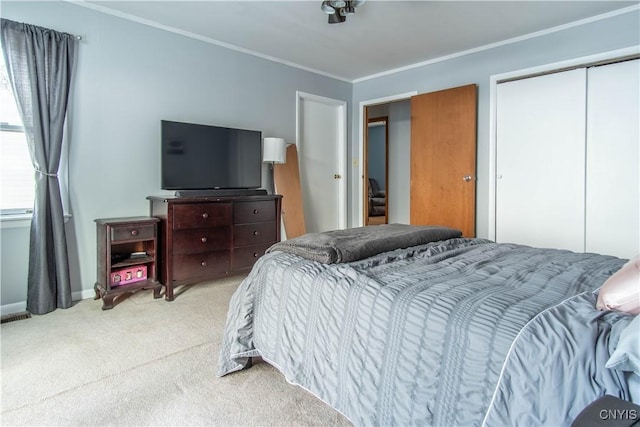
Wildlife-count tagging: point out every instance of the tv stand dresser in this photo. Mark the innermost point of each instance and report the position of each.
(203, 238)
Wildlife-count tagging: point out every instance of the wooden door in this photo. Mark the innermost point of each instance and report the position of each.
(443, 158)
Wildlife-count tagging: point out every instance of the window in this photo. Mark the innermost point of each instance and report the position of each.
(17, 185)
(17, 177)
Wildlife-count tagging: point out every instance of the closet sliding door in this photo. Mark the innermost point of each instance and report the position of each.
(540, 185)
(568, 160)
(613, 159)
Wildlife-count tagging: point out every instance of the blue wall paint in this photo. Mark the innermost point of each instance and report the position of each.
(130, 76)
(376, 155)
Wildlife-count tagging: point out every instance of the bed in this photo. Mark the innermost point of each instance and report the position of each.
(419, 326)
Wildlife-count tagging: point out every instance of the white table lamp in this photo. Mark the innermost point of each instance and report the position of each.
(274, 150)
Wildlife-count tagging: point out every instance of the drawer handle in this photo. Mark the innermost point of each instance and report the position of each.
(255, 254)
(205, 215)
(255, 233)
(204, 240)
(203, 263)
(256, 211)
(134, 232)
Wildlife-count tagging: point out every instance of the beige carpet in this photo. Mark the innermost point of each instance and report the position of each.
(145, 362)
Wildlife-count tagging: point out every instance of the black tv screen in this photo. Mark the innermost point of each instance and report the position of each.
(205, 157)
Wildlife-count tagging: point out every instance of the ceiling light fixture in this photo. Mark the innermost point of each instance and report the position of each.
(327, 8)
(339, 9)
(336, 18)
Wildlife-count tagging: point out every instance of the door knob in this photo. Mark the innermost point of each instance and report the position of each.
(337, 176)
(467, 178)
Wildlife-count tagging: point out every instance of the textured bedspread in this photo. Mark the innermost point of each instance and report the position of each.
(416, 336)
(558, 363)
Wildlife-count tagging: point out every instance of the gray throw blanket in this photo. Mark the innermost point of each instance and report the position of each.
(352, 244)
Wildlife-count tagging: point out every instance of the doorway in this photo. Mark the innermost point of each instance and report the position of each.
(420, 191)
(397, 110)
(376, 170)
(322, 145)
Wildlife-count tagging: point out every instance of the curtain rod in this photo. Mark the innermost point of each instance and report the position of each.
(44, 28)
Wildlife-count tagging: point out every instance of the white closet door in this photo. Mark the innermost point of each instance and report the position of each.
(613, 159)
(540, 185)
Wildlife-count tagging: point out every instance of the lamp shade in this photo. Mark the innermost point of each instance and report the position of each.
(274, 150)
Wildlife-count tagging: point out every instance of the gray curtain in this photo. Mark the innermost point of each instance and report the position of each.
(39, 64)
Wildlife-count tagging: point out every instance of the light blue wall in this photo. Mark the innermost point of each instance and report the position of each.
(130, 76)
(398, 114)
(399, 158)
(601, 36)
(376, 155)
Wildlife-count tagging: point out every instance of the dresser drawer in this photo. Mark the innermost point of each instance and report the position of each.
(201, 240)
(201, 266)
(132, 232)
(201, 215)
(259, 211)
(247, 256)
(253, 234)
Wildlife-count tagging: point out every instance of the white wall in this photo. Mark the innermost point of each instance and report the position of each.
(609, 34)
(130, 76)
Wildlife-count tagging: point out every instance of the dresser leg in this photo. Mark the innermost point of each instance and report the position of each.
(157, 292)
(107, 302)
(168, 292)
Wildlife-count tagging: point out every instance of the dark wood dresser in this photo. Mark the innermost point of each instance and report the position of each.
(202, 238)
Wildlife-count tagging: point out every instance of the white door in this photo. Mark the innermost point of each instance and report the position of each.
(540, 161)
(322, 158)
(613, 160)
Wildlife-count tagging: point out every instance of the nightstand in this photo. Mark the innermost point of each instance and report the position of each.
(127, 258)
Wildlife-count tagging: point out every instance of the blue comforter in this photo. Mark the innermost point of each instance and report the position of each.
(556, 366)
(415, 336)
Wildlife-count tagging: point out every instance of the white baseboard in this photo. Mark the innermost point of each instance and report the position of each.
(83, 294)
(18, 307)
(13, 308)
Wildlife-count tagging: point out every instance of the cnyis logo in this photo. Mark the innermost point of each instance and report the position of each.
(618, 414)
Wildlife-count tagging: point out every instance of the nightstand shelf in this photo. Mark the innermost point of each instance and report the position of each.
(132, 261)
(119, 272)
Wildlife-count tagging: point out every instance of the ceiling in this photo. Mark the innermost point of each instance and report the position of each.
(380, 37)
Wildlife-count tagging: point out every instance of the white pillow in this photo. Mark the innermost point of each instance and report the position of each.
(621, 291)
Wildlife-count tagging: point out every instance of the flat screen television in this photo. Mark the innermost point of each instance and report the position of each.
(206, 157)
